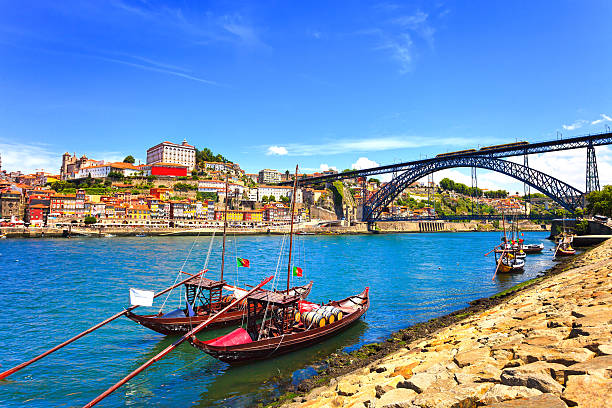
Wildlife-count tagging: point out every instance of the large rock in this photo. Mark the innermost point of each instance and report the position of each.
(397, 398)
(588, 391)
(542, 382)
(569, 356)
(601, 366)
(554, 370)
(539, 401)
(465, 358)
(501, 392)
(444, 400)
(422, 381)
(347, 388)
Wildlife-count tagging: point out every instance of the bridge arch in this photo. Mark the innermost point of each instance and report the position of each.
(567, 196)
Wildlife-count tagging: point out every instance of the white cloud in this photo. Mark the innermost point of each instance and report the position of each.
(399, 33)
(364, 163)
(362, 145)
(277, 150)
(576, 125)
(326, 167)
(29, 157)
(604, 118)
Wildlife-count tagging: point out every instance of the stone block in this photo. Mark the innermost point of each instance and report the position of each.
(397, 398)
(588, 391)
(539, 401)
(501, 392)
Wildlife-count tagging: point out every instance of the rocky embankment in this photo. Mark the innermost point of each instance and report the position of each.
(548, 346)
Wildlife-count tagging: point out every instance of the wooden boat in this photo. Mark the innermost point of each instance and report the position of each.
(533, 248)
(564, 246)
(287, 330)
(180, 321)
(511, 264)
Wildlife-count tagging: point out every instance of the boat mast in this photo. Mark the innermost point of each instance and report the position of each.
(224, 228)
(291, 230)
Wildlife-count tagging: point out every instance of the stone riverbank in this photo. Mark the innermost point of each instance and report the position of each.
(549, 345)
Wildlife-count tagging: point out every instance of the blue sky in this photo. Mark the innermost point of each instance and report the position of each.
(272, 84)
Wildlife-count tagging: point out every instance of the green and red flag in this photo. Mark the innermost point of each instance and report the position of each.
(243, 262)
(297, 271)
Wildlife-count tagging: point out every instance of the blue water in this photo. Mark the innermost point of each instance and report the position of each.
(52, 289)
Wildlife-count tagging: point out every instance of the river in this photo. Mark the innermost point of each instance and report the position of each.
(55, 288)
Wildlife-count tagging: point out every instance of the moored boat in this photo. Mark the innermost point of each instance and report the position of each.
(289, 328)
(511, 264)
(533, 248)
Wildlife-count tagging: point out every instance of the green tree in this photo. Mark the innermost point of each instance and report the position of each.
(285, 199)
(129, 159)
(90, 220)
(582, 227)
(600, 202)
(272, 199)
(115, 175)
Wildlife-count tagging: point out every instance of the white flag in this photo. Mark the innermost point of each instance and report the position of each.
(141, 297)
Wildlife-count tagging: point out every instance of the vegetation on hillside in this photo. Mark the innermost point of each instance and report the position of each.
(206, 155)
(600, 202)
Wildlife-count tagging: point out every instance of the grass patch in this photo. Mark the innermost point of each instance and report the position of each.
(517, 287)
(463, 315)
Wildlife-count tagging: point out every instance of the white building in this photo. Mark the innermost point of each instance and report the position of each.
(278, 192)
(218, 186)
(269, 176)
(103, 170)
(167, 152)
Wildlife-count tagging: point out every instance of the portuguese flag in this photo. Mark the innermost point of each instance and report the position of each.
(243, 262)
(297, 271)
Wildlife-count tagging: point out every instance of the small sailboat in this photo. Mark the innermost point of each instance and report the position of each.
(564, 246)
(289, 323)
(511, 260)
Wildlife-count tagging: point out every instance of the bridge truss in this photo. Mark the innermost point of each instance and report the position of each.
(566, 195)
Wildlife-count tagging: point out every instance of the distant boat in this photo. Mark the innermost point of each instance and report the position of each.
(141, 235)
(533, 248)
(108, 235)
(2, 236)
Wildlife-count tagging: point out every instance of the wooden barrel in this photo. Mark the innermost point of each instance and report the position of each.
(313, 319)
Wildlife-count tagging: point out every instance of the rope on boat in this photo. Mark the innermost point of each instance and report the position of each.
(179, 273)
(274, 283)
(197, 293)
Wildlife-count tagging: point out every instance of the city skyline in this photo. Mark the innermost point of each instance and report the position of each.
(269, 85)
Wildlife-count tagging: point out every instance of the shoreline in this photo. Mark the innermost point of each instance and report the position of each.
(348, 364)
(404, 227)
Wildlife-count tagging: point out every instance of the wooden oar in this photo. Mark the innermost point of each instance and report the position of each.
(498, 264)
(172, 346)
(557, 248)
(78, 336)
(494, 248)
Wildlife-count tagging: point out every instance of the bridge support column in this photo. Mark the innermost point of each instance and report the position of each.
(592, 176)
(526, 187)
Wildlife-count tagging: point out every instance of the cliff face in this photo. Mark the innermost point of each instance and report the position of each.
(549, 346)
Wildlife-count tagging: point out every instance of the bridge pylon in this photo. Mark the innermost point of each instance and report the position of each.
(592, 176)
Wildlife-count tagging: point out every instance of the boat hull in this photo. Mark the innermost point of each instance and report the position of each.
(565, 252)
(271, 347)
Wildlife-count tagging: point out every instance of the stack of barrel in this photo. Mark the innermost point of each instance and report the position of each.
(320, 317)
